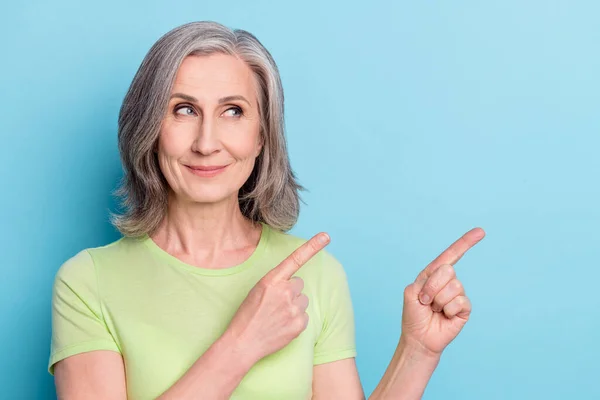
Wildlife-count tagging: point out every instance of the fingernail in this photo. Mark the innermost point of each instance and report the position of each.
(323, 238)
(424, 299)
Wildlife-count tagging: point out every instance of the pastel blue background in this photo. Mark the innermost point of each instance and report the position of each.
(410, 123)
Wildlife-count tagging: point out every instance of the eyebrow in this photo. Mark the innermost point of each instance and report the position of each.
(222, 100)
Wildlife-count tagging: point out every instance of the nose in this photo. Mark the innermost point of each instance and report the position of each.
(207, 141)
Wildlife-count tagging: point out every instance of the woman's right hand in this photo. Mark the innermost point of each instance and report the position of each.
(274, 312)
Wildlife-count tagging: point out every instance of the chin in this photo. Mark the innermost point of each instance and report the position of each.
(211, 196)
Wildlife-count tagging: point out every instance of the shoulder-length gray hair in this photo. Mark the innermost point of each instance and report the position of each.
(271, 193)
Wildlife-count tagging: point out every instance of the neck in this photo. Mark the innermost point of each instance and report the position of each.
(201, 230)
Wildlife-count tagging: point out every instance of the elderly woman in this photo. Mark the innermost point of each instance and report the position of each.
(206, 295)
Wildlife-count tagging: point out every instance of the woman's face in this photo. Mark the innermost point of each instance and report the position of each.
(210, 136)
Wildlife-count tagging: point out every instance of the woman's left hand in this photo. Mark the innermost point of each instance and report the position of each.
(435, 306)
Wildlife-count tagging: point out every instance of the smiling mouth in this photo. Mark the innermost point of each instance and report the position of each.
(206, 171)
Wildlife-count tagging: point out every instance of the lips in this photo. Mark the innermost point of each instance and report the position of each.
(206, 167)
(206, 171)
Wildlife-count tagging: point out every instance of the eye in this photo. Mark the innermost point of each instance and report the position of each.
(185, 109)
(235, 112)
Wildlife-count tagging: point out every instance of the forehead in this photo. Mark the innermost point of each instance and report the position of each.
(215, 75)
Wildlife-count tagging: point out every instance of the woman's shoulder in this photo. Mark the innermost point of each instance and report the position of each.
(82, 265)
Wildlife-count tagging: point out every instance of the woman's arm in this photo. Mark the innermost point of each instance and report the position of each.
(100, 374)
(406, 377)
(407, 374)
(93, 375)
(337, 380)
(216, 374)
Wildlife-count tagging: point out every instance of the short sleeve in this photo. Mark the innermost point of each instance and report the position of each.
(77, 322)
(337, 338)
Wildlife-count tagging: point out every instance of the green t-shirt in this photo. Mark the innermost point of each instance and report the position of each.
(161, 314)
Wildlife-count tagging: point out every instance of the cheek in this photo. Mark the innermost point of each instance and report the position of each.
(173, 142)
(244, 151)
(171, 146)
(244, 144)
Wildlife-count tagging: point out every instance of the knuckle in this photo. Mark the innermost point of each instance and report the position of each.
(287, 292)
(456, 305)
(300, 323)
(464, 301)
(263, 284)
(305, 301)
(409, 290)
(449, 270)
(454, 251)
(294, 311)
(313, 245)
(296, 258)
(456, 285)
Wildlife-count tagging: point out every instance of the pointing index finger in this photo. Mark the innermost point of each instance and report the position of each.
(455, 252)
(288, 267)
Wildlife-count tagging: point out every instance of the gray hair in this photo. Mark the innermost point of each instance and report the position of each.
(271, 193)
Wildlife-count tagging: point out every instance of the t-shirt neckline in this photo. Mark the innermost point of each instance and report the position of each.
(172, 260)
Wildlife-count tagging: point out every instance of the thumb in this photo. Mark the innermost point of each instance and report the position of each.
(412, 291)
(419, 282)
